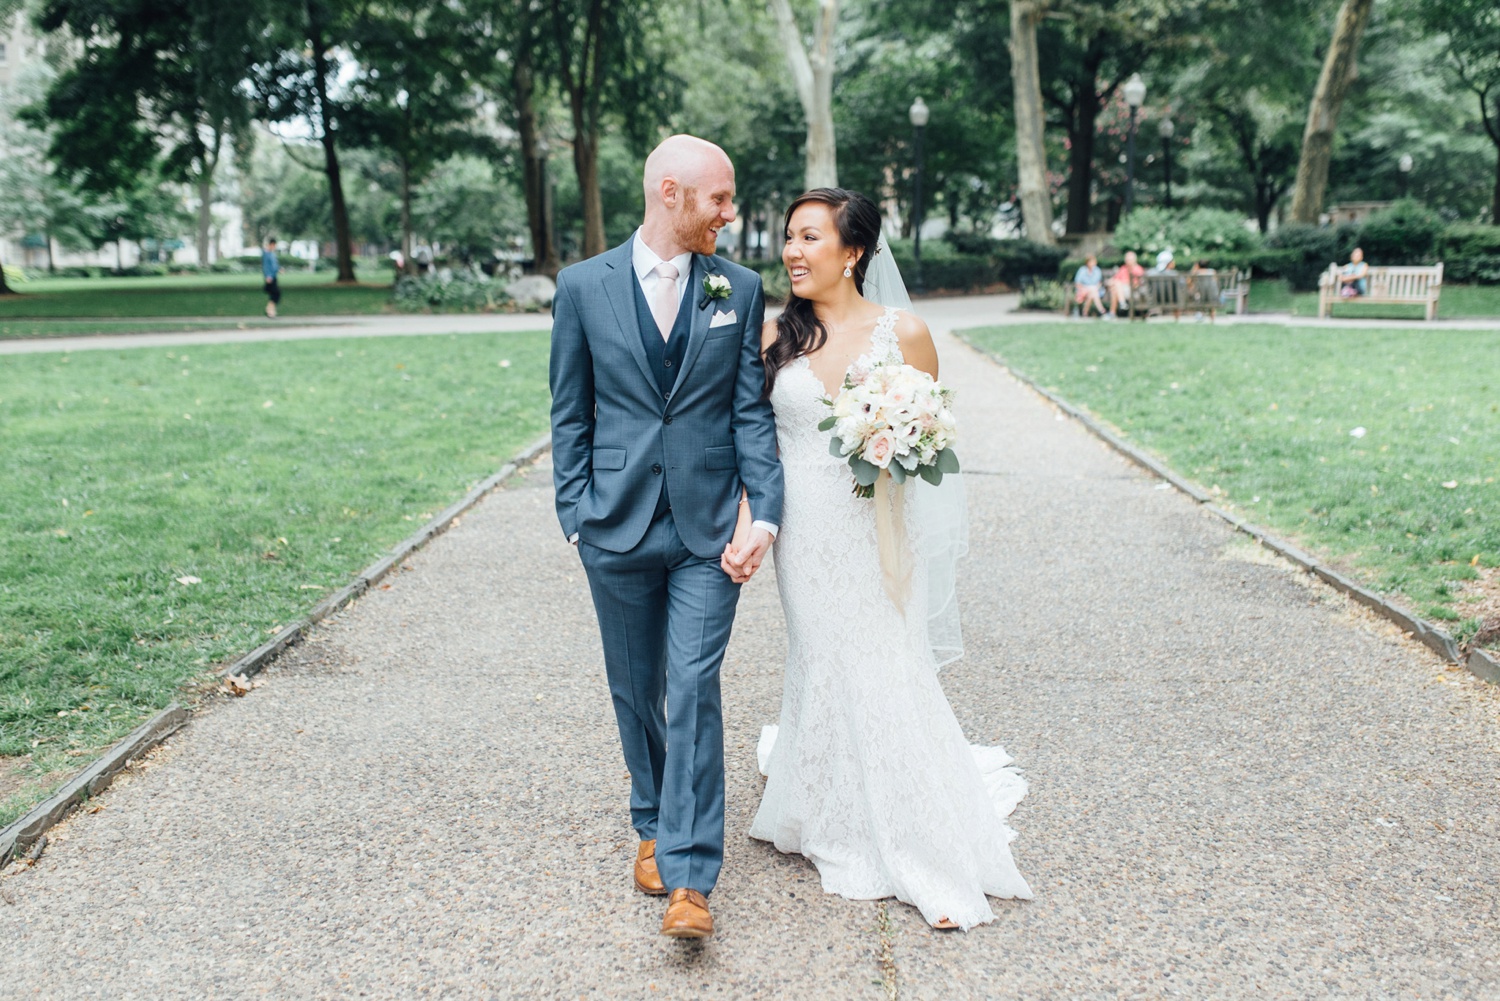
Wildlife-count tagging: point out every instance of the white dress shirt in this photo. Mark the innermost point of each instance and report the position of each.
(643, 261)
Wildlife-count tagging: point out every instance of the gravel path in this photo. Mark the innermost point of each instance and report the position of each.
(1241, 786)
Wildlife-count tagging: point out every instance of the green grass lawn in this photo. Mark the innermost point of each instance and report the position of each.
(1379, 449)
(304, 293)
(1272, 295)
(272, 472)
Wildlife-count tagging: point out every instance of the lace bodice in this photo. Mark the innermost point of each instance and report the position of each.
(869, 774)
(801, 402)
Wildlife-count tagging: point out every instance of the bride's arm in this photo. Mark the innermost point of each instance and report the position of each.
(916, 343)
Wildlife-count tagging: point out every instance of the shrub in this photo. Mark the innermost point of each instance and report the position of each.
(1312, 249)
(1405, 233)
(1470, 253)
(1200, 234)
(1018, 259)
(971, 243)
(1044, 294)
(449, 292)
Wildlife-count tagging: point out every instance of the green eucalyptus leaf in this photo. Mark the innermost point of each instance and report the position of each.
(865, 473)
(946, 461)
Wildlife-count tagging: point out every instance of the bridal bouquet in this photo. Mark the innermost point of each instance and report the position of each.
(894, 418)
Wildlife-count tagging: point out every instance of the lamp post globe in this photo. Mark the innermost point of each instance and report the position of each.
(919, 115)
(1135, 94)
(1167, 130)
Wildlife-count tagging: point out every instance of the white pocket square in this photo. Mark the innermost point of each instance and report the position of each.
(721, 319)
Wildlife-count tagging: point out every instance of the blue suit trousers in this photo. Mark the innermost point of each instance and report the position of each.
(665, 616)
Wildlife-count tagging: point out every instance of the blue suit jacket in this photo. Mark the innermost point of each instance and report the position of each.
(615, 434)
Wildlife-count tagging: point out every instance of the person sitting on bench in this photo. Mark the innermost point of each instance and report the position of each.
(1088, 282)
(1354, 277)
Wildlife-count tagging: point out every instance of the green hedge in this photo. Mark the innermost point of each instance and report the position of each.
(1470, 254)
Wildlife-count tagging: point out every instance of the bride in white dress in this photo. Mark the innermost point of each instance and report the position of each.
(868, 775)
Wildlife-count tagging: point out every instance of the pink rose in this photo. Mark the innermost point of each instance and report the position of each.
(880, 448)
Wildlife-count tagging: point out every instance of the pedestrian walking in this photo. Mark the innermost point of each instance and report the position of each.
(270, 267)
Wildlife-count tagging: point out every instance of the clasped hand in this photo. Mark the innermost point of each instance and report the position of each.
(745, 553)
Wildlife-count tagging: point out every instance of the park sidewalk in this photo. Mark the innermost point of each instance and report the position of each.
(960, 310)
(1240, 785)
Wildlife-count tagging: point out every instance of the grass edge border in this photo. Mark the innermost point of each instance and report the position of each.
(1480, 663)
(26, 831)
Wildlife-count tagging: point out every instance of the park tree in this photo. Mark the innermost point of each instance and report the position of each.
(812, 68)
(1334, 81)
(511, 61)
(1031, 151)
(409, 95)
(293, 79)
(1247, 91)
(1471, 29)
(154, 87)
(606, 66)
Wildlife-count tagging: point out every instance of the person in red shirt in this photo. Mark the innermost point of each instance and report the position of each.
(1127, 278)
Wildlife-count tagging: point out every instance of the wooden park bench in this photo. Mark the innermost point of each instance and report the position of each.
(1235, 288)
(1402, 286)
(1176, 292)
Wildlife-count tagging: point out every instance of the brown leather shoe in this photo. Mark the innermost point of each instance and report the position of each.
(647, 879)
(687, 915)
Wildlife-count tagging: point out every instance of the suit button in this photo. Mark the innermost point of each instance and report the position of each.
(667, 363)
(667, 419)
(656, 467)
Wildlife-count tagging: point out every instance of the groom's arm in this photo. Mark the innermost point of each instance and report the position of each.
(754, 422)
(571, 375)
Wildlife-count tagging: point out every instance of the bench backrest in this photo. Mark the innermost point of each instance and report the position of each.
(1165, 290)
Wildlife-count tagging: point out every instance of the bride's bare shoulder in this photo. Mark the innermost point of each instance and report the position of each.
(915, 340)
(911, 328)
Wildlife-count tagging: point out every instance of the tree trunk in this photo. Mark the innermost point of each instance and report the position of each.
(407, 264)
(1323, 115)
(5, 288)
(533, 167)
(51, 256)
(1031, 155)
(205, 217)
(1081, 157)
(341, 238)
(1495, 198)
(812, 74)
(586, 164)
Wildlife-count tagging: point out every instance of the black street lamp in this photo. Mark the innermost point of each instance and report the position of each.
(1166, 130)
(1135, 94)
(919, 115)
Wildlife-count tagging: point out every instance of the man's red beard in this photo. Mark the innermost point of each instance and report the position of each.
(694, 232)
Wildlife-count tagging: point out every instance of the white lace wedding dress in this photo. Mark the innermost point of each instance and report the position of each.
(868, 774)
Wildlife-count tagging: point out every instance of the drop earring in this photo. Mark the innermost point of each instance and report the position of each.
(848, 272)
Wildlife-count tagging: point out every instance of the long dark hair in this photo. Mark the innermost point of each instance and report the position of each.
(798, 329)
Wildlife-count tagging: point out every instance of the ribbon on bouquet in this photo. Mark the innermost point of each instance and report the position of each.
(890, 529)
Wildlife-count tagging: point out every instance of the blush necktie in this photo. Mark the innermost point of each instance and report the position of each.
(664, 302)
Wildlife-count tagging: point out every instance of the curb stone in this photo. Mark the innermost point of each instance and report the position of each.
(1479, 662)
(21, 835)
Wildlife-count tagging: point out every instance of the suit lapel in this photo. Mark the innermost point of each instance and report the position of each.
(620, 289)
(703, 312)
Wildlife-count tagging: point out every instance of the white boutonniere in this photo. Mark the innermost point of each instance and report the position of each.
(717, 287)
